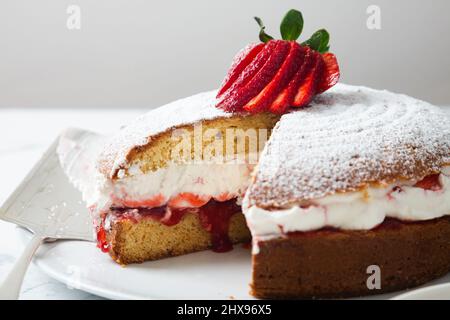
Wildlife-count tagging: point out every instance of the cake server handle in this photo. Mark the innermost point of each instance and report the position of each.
(10, 287)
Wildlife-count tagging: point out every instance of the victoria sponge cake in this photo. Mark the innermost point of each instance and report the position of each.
(359, 179)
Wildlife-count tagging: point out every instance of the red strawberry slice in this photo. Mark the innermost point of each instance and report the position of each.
(240, 61)
(286, 97)
(331, 72)
(277, 74)
(287, 70)
(430, 182)
(248, 73)
(238, 97)
(307, 88)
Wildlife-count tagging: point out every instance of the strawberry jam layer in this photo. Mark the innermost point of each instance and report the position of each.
(430, 182)
(387, 224)
(214, 217)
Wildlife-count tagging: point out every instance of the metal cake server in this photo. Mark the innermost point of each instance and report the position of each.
(47, 204)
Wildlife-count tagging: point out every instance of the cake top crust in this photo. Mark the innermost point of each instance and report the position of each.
(139, 133)
(348, 138)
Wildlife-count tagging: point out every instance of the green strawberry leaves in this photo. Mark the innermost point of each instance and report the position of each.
(292, 25)
(291, 28)
(319, 41)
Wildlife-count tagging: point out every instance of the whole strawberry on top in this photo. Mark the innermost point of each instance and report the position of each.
(277, 74)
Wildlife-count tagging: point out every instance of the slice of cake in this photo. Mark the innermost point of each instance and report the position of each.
(358, 183)
(171, 183)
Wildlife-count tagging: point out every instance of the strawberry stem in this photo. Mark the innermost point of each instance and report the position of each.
(263, 36)
(291, 28)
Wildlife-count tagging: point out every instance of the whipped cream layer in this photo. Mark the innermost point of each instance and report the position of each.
(359, 210)
(207, 181)
(177, 185)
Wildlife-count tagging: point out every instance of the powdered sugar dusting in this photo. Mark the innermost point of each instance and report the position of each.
(349, 136)
(139, 133)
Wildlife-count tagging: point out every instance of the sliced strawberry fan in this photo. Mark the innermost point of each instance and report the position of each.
(275, 75)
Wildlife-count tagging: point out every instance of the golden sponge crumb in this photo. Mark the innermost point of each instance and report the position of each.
(201, 142)
(148, 239)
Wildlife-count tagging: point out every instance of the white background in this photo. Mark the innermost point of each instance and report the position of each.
(132, 53)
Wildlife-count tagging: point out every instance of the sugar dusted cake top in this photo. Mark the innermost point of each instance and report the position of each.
(348, 137)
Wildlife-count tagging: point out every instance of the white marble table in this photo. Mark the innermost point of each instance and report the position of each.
(25, 135)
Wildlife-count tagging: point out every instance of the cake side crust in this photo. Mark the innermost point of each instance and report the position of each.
(334, 263)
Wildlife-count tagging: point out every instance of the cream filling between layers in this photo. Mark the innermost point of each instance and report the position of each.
(360, 210)
(179, 185)
(207, 181)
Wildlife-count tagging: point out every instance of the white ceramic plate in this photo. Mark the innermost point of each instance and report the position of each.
(202, 275)
(437, 292)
